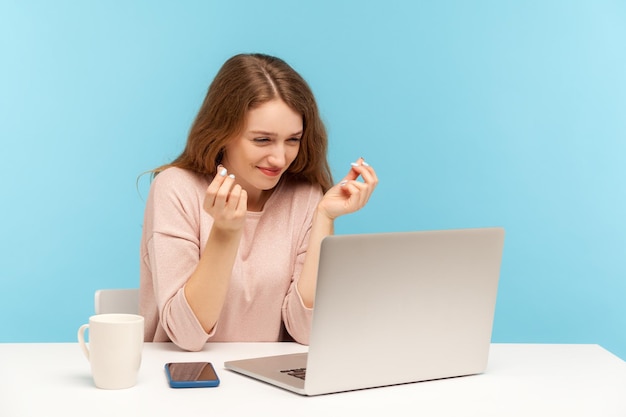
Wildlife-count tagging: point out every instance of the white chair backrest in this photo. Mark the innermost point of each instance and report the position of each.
(117, 301)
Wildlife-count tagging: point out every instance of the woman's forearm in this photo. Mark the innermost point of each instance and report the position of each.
(206, 288)
(321, 227)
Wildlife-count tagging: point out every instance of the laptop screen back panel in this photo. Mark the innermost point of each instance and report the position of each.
(403, 307)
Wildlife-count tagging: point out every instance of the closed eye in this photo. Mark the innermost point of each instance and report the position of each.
(261, 140)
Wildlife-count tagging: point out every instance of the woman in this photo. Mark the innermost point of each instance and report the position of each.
(233, 226)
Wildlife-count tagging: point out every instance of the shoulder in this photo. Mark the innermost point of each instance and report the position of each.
(177, 186)
(174, 176)
(178, 181)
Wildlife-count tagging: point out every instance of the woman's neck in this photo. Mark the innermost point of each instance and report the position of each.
(257, 202)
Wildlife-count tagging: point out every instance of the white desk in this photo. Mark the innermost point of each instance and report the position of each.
(521, 380)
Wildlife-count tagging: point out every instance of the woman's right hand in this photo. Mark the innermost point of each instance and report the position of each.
(226, 202)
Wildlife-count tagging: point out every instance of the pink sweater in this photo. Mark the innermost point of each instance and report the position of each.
(262, 300)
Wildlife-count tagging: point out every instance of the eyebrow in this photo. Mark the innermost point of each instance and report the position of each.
(274, 134)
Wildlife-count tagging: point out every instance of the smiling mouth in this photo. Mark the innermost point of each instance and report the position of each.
(270, 172)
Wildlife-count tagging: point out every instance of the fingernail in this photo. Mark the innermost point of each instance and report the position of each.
(354, 164)
(231, 176)
(365, 164)
(223, 172)
(342, 183)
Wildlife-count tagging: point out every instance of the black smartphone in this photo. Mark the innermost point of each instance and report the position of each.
(191, 374)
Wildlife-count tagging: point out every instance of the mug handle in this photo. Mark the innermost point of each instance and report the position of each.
(81, 339)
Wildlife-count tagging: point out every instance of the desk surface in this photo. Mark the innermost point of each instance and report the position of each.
(521, 380)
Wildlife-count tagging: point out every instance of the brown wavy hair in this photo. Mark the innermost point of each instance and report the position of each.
(245, 82)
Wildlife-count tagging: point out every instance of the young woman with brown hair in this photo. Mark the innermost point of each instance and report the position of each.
(233, 226)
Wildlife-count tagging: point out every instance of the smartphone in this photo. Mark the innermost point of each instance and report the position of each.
(191, 374)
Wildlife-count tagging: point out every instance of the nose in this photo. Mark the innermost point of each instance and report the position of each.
(278, 155)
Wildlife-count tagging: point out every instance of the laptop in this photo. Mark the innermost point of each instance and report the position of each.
(394, 308)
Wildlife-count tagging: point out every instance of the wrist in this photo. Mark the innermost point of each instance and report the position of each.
(225, 234)
(323, 215)
(323, 223)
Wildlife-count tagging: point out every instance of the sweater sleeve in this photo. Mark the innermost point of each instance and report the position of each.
(173, 249)
(296, 316)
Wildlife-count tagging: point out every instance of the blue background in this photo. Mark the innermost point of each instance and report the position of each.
(484, 113)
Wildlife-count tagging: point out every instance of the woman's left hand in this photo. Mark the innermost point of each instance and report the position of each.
(350, 194)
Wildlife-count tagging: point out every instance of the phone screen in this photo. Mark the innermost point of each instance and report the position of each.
(191, 374)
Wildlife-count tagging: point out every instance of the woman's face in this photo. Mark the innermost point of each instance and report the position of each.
(268, 145)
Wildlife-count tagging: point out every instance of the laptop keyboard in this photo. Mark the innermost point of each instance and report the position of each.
(298, 372)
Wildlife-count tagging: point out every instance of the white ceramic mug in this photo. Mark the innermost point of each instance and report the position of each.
(114, 352)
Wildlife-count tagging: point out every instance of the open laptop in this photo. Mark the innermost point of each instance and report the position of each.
(394, 308)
